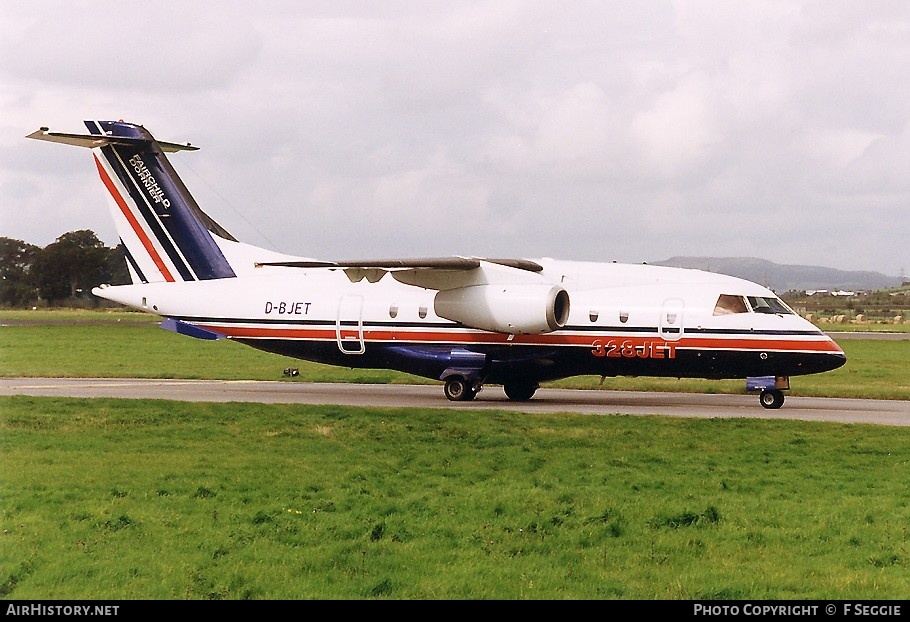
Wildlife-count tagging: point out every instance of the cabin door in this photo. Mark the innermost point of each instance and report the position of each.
(349, 325)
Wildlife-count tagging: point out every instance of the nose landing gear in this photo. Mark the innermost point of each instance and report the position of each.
(772, 389)
(771, 399)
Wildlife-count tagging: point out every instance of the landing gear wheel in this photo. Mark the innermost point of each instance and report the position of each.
(459, 389)
(772, 398)
(520, 391)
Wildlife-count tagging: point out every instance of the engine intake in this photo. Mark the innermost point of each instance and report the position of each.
(520, 309)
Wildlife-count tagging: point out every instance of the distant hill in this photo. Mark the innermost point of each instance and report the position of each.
(782, 278)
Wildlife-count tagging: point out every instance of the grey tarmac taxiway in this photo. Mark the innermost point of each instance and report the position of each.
(546, 400)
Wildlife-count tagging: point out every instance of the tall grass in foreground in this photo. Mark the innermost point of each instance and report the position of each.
(129, 499)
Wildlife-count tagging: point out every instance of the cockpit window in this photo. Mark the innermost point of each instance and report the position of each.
(728, 304)
(768, 304)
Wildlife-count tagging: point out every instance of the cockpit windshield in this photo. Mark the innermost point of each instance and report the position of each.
(768, 304)
(728, 304)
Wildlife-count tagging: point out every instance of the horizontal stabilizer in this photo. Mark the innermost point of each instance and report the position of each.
(92, 141)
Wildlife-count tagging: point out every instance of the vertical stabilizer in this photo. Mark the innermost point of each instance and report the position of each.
(167, 236)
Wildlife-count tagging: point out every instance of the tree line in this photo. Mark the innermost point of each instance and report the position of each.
(62, 273)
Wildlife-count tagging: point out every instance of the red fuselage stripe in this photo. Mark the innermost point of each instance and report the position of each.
(137, 228)
(441, 338)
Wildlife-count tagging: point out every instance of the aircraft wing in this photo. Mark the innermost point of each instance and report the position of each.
(500, 295)
(431, 273)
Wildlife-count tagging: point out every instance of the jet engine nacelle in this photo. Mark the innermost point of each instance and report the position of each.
(520, 309)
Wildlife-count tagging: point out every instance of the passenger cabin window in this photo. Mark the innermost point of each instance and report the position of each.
(728, 304)
(768, 304)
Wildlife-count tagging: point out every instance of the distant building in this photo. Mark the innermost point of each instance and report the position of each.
(839, 292)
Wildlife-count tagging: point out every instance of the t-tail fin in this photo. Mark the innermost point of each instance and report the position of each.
(166, 235)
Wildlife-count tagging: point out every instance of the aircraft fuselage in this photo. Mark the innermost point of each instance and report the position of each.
(623, 320)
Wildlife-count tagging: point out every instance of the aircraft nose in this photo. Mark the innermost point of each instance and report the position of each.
(835, 357)
(836, 360)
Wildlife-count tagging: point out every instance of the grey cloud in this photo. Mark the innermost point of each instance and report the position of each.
(588, 130)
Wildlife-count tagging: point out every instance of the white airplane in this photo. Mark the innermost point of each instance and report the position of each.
(463, 320)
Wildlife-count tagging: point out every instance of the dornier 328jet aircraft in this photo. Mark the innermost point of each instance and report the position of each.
(463, 320)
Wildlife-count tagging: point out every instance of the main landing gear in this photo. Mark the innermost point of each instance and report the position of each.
(461, 389)
(520, 391)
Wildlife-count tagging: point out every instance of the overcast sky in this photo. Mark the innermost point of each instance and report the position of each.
(629, 131)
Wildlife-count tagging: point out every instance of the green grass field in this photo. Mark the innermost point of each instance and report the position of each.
(144, 499)
(141, 499)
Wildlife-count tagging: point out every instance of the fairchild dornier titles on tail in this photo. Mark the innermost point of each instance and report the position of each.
(166, 235)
